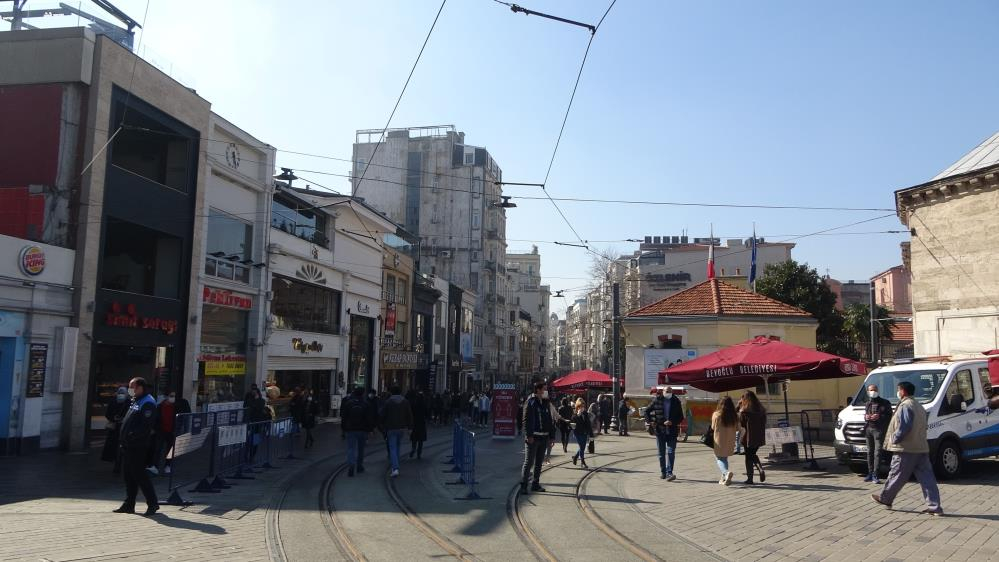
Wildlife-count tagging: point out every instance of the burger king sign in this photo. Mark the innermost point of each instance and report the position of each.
(32, 260)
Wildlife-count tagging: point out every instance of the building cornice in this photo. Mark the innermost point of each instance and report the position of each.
(945, 189)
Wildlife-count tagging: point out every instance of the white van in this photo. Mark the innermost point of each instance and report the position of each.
(955, 394)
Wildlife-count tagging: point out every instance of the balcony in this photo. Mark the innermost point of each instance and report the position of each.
(489, 265)
(492, 234)
(395, 298)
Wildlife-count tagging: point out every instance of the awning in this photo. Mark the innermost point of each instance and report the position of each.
(583, 379)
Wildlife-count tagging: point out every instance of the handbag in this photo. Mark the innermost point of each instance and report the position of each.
(708, 439)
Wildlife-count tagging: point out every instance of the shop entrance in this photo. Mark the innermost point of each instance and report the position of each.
(286, 381)
(115, 365)
(7, 350)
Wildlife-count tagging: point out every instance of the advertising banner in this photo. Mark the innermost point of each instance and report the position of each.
(658, 359)
(37, 354)
(504, 411)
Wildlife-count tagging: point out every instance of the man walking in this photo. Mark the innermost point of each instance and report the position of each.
(136, 434)
(397, 417)
(906, 438)
(539, 429)
(877, 417)
(664, 416)
(357, 423)
(605, 414)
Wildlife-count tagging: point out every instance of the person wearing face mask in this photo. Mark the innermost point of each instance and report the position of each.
(114, 412)
(136, 431)
(906, 439)
(166, 416)
(539, 430)
(877, 416)
(663, 417)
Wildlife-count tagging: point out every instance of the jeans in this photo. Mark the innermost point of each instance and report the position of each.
(534, 455)
(394, 441)
(581, 441)
(904, 465)
(722, 465)
(667, 451)
(875, 440)
(355, 448)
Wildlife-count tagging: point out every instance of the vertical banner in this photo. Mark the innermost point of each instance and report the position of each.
(504, 411)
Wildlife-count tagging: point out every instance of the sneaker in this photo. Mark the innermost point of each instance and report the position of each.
(167, 469)
(937, 511)
(721, 480)
(575, 459)
(876, 480)
(395, 472)
(662, 477)
(728, 478)
(877, 499)
(124, 509)
(748, 482)
(869, 478)
(152, 470)
(670, 477)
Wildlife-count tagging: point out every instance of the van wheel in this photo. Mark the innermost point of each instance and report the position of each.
(947, 461)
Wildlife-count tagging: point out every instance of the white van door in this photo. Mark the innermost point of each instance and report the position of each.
(983, 438)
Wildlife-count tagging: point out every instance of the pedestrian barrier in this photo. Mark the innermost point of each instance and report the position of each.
(463, 458)
(788, 431)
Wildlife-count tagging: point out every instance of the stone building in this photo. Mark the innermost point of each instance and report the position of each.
(955, 276)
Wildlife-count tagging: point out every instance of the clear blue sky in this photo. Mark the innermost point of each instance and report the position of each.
(783, 102)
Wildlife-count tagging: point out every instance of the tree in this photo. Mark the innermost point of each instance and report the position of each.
(857, 325)
(798, 285)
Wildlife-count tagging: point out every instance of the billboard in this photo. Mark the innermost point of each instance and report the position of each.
(658, 359)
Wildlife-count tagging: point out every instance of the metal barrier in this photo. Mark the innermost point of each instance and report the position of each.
(789, 432)
(821, 425)
(463, 458)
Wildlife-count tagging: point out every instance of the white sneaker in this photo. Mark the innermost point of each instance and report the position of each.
(167, 469)
(395, 472)
(152, 470)
(728, 478)
(721, 480)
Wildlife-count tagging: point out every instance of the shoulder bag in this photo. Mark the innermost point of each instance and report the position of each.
(708, 439)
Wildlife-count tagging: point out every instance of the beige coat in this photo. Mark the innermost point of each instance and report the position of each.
(724, 436)
(915, 440)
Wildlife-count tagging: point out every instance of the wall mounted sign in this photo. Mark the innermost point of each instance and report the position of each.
(389, 319)
(311, 273)
(223, 364)
(363, 308)
(128, 317)
(402, 360)
(298, 344)
(37, 359)
(221, 297)
(32, 260)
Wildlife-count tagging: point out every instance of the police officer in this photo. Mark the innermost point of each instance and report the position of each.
(136, 433)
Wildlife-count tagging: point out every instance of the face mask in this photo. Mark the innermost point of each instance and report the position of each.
(872, 394)
(667, 395)
(131, 392)
(544, 394)
(900, 396)
(172, 399)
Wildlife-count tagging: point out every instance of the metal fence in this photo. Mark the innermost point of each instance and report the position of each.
(463, 459)
(789, 440)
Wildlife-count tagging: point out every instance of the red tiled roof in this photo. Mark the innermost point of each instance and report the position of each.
(717, 298)
(901, 331)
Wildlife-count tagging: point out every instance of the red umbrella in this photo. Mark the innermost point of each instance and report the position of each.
(744, 365)
(583, 379)
(993, 366)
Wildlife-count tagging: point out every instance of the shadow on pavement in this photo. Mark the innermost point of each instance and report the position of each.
(206, 528)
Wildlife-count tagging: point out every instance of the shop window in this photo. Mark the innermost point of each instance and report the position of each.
(140, 260)
(222, 362)
(229, 247)
(148, 148)
(298, 219)
(306, 307)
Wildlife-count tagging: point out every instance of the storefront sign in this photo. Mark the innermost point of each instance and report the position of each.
(221, 364)
(221, 297)
(432, 376)
(504, 412)
(363, 308)
(660, 281)
(300, 345)
(390, 319)
(37, 358)
(401, 360)
(129, 318)
(32, 260)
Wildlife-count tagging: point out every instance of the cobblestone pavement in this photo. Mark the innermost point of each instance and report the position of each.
(58, 507)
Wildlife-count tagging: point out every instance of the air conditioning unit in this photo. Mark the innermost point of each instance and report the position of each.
(445, 253)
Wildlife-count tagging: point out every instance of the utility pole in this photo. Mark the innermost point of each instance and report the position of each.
(874, 330)
(616, 372)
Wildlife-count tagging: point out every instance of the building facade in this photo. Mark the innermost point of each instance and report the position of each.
(955, 277)
(893, 289)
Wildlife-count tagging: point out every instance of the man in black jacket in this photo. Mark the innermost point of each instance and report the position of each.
(877, 415)
(136, 433)
(358, 421)
(539, 430)
(663, 417)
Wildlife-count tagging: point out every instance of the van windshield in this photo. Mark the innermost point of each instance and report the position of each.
(927, 383)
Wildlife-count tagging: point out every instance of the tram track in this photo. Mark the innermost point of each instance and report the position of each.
(538, 547)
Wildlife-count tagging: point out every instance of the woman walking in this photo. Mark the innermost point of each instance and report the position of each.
(564, 423)
(546, 402)
(724, 422)
(310, 418)
(419, 432)
(753, 421)
(582, 430)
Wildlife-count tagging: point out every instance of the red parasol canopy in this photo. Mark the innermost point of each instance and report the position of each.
(583, 379)
(744, 365)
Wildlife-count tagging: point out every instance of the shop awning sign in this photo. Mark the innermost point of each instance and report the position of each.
(221, 297)
(401, 360)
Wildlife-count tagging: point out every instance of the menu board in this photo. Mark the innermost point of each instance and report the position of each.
(37, 359)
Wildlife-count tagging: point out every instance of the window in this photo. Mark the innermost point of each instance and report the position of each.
(474, 279)
(513, 316)
(302, 306)
(513, 343)
(476, 187)
(229, 247)
(297, 219)
(148, 148)
(475, 257)
(400, 290)
(469, 158)
(983, 374)
(389, 287)
(140, 260)
(773, 389)
(476, 221)
(960, 391)
(437, 183)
